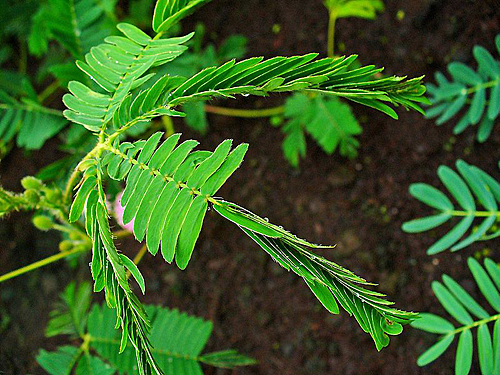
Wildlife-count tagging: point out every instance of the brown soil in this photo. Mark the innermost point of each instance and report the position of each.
(257, 307)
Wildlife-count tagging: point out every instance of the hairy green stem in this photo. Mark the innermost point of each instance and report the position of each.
(40, 263)
(245, 113)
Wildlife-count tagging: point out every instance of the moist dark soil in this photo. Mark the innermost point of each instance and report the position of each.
(257, 307)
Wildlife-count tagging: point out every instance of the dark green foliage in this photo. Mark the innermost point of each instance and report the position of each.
(69, 316)
(478, 90)
(326, 119)
(77, 25)
(485, 191)
(470, 315)
(177, 340)
(22, 115)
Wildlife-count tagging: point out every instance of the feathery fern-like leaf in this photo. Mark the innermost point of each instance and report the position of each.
(329, 282)
(470, 314)
(170, 187)
(118, 66)
(329, 121)
(469, 87)
(471, 186)
(256, 76)
(178, 340)
(32, 123)
(77, 25)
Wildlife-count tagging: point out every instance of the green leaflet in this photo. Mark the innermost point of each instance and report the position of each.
(81, 198)
(246, 222)
(467, 187)
(435, 351)
(456, 302)
(169, 12)
(465, 349)
(190, 231)
(481, 89)
(134, 271)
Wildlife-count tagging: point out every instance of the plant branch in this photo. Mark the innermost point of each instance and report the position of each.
(39, 264)
(331, 33)
(473, 213)
(48, 91)
(245, 113)
(473, 325)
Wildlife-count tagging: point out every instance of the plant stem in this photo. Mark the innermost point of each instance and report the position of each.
(245, 113)
(39, 264)
(76, 173)
(331, 33)
(475, 324)
(474, 213)
(140, 254)
(122, 233)
(49, 90)
(484, 85)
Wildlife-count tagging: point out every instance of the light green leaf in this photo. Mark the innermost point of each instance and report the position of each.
(451, 304)
(485, 350)
(463, 359)
(425, 223)
(431, 196)
(457, 187)
(432, 323)
(485, 284)
(435, 351)
(131, 266)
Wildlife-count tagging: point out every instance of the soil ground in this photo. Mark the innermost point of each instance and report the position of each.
(257, 307)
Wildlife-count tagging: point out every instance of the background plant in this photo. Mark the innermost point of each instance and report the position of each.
(464, 309)
(477, 90)
(178, 340)
(485, 191)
